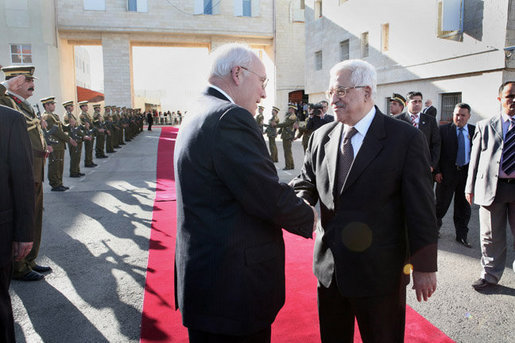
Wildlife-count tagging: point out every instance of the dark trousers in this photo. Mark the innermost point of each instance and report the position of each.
(207, 337)
(444, 194)
(380, 319)
(6, 311)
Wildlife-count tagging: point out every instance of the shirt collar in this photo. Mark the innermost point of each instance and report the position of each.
(223, 92)
(505, 117)
(363, 125)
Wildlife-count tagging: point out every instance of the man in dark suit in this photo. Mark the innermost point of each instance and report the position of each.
(20, 87)
(371, 174)
(424, 123)
(491, 184)
(430, 109)
(16, 206)
(229, 258)
(451, 173)
(326, 117)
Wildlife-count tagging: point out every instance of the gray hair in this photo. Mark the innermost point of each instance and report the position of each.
(362, 73)
(228, 56)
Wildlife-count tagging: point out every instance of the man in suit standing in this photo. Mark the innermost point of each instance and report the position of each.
(371, 174)
(20, 87)
(424, 123)
(326, 117)
(16, 206)
(451, 174)
(430, 109)
(491, 184)
(229, 258)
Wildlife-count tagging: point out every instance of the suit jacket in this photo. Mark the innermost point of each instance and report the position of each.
(485, 159)
(429, 128)
(328, 118)
(231, 207)
(385, 214)
(35, 134)
(431, 110)
(16, 182)
(449, 151)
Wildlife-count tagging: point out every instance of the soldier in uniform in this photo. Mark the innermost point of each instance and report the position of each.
(73, 128)
(110, 129)
(60, 138)
(260, 118)
(100, 129)
(85, 117)
(287, 129)
(271, 133)
(20, 86)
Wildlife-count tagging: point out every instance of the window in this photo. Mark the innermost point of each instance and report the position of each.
(449, 100)
(137, 6)
(297, 11)
(21, 53)
(245, 8)
(450, 19)
(318, 60)
(94, 5)
(388, 99)
(344, 50)
(207, 7)
(385, 37)
(318, 9)
(364, 44)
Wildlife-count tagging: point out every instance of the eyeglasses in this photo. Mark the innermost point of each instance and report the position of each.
(263, 79)
(340, 91)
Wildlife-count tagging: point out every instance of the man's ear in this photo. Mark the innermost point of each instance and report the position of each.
(368, 92)
(236, 73)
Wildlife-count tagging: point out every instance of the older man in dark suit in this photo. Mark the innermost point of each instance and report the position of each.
(424, 122)
(231, 207)
(372, 177)
(451, 174)
(16, 206)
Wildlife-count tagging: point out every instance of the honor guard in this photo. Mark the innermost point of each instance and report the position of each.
(271, 132)
(260, 118)
(287, 131)
(20, 86)
(58, 139)
(110, 129)
(85, 117)
(100, 131)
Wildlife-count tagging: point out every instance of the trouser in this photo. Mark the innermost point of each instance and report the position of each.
(20, 268)
(288, 155)
(99, 146)
(196, 336)
(109, 143)
(493, 220)
(55, 168)
(88, 155)
(273, 149)
(75, 153)
(6, 310)
(381, 319)
(444, 194)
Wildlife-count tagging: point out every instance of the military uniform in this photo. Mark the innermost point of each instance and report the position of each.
(23, 270)
(100, 132)
(260, 118)
(88, 144)
(110, 130)
(74, 132)
(271, 132)
(58, 139)
(287, 131)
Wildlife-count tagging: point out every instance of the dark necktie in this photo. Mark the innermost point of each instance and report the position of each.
(508, 150)
(460, 157)
(345, 158)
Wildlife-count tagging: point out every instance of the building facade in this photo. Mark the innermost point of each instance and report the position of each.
(450, 50)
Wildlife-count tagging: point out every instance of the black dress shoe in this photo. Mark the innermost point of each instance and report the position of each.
(75, 175)
(463, 241)
(66, 187)
(41, 269)
(481, 284)
(31, 276)
(82, 174)
(90, 165)
(58, 189)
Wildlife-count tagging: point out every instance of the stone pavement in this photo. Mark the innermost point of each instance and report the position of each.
(95, 237)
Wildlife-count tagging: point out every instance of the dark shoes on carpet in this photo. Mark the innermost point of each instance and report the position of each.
(481, 284)
(31, 276)
(464, 242)
(41, 269)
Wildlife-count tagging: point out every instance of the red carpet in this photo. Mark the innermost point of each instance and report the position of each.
(296, 322)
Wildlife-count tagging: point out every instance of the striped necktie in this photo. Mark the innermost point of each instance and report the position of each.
(345, 159)
(508, 151)
(414, 120)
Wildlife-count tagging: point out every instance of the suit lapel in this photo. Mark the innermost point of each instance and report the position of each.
(371, 146)
(496, 125)
(332, 149)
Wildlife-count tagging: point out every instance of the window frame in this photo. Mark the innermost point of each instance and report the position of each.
(21, 54)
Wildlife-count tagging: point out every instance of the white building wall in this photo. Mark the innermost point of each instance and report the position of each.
(417, 59)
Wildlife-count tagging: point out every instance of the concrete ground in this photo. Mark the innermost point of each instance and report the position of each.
(95, 237)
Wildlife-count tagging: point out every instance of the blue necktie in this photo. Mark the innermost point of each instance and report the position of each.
(508, 150)
(460, 157)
